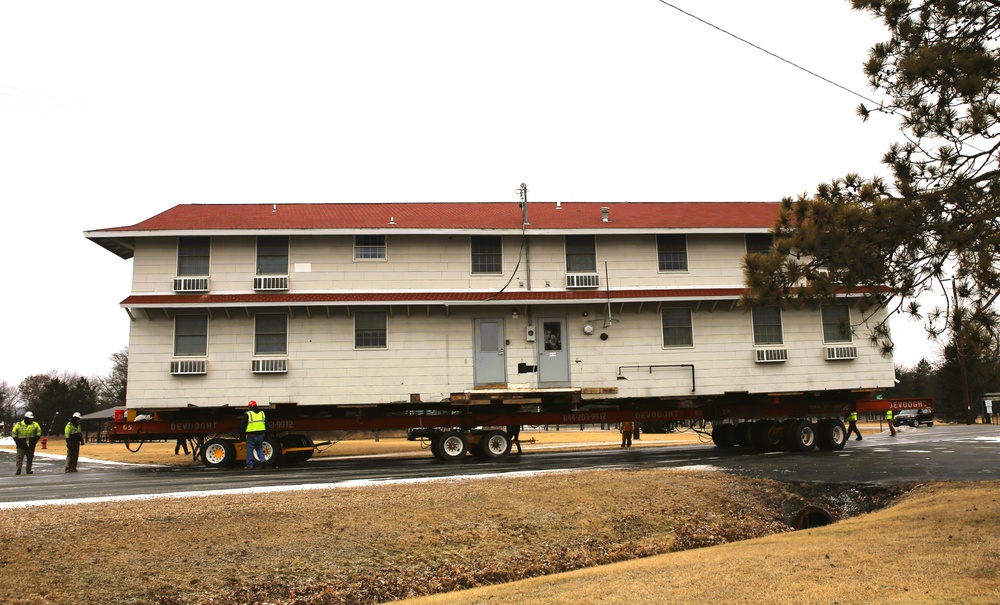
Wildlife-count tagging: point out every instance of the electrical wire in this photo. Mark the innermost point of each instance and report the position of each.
(776, 56)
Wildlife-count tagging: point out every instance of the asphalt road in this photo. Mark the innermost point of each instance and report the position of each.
(940, 453)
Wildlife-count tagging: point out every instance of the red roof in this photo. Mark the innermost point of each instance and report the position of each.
(461, 215)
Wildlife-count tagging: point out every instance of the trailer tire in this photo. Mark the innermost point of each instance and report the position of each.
(494, 444)
(218, 453)
(800, 436)
(724, 435)
(766, 435)
(453, 446)
(832, 435)
(743, 434)
(272, 450)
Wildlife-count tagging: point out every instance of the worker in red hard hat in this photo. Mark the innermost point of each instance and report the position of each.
(253, 425)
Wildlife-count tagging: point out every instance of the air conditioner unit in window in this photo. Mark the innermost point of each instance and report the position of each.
(270, 282)
(582, 280)
(269, 366)
(840, 353)
(770, 355)
(188, 367)
(190, 284)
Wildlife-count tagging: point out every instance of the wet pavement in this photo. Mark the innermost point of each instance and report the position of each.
(939, 453)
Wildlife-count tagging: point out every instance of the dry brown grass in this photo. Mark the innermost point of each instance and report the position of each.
(940, 544)
(370, 544)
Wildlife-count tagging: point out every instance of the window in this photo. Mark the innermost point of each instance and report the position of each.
(190, 335)
(272, 255)
(836, 323)
(759, 243)
(581, 254)
(193, 255)
(677, 330)
(270, 334)
(370, 330)
(487, 254)
(767, 326)
(369, 247)
(671, 251)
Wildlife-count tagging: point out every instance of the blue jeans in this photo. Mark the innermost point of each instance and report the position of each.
(255, 443)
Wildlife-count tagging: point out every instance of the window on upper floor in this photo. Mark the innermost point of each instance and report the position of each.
(759, 243)
(671, 252)
(836, 323)
(191, 335)
(677, 327)
(370, 330)
(581, 254)
(270, 334)
(767, 326)
(369, 247)
(193, 255)
(272, 255)
(487, 254)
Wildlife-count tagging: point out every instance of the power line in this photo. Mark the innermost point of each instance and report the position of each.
(764, 50)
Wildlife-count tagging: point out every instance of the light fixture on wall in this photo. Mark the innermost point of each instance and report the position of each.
(513, 314)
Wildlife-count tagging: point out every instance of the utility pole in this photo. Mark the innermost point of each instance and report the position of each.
(959, 349)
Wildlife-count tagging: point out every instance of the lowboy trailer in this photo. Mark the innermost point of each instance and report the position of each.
(475, 422)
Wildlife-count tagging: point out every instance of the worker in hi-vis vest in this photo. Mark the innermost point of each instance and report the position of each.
(852, 425)
(253, 427)
(888, 418)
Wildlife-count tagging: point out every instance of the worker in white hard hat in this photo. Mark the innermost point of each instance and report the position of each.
(26, 434)
(74, 439)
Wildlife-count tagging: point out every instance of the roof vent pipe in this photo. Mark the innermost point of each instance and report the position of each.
(604, 214)
(274, 208)
(558, 205)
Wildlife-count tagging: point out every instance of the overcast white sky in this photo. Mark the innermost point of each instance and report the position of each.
(111, 112)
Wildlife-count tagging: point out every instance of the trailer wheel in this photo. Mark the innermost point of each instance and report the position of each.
(272, 450)
(832, 435)
(453, 446)
(801, 436)
(290, 441)
(495, 444)
(436, 447)
(724, 435)
(743, 434)
(766, 435)
(218, 453)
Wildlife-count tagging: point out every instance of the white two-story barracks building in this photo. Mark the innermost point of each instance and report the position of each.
(356, 304)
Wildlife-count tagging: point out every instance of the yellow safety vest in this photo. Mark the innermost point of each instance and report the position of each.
(255, 422)
(73, 428)
(888, 414)
(852, 417)
(21, 429)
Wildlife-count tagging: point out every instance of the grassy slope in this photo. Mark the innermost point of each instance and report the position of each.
(940, 544)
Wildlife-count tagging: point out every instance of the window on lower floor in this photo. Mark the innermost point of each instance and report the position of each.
(836, 323)
(677, 328)
(767, 326)
(370, 329)
(671, 252)
(190, 335)
(369, 247)
(487, 254)
(270, 334)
